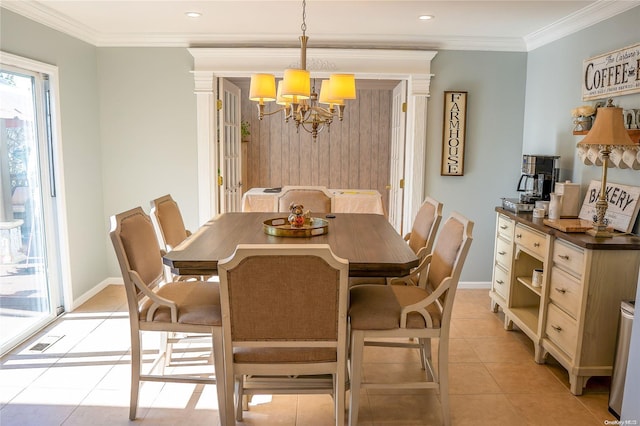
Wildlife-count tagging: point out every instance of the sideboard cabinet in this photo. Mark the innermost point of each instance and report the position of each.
(572, 313)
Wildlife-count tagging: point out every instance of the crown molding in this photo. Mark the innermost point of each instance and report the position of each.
(37, 11)
(590, 15)
(594, 13)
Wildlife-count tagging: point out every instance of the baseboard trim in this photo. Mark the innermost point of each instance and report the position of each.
(474, 285)
(95, 290)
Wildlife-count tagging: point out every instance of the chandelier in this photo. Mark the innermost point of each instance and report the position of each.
(299, 98)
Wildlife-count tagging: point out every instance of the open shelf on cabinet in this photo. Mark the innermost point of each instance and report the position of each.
(528, 282)
(528, 316)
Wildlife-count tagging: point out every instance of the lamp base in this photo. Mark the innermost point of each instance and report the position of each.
(599, 233)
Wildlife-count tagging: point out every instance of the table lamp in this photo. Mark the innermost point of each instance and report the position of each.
(607, 132)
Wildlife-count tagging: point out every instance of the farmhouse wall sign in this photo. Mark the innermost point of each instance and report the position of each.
(612, 73)
(453, 133)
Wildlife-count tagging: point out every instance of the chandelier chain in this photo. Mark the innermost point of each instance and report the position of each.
(303, 27)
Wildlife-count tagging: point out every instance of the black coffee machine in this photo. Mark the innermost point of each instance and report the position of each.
(538, 179)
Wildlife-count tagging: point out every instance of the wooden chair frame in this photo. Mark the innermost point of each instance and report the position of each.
(140, 292)
(441, 296)
(285, 377)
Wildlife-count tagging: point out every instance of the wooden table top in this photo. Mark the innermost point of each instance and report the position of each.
(368, 241)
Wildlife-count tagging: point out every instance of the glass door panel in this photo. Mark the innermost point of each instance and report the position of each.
(28, 289)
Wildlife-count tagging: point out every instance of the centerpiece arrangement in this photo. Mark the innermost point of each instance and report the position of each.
(299, 223)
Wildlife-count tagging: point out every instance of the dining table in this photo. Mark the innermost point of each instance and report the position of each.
(368, 241)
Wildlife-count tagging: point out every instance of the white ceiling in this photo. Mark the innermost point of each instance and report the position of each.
(507, 25)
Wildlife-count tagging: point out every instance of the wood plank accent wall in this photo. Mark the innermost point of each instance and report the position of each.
(353, 154)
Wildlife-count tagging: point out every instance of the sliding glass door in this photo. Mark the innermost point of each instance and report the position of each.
(30, 295)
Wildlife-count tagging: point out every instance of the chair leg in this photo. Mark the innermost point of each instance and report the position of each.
(218, 361)
(339, 394)
(239, 396)
(136, 360)
(357, 349)
(425, 356)
(443, 380)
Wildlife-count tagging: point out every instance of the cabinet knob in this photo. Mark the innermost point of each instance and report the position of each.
(504, 227)
(561, 290)
(502, 253)
(556, 327)
(563, 256)
(518, 235)
(536, 244)
(500, 282)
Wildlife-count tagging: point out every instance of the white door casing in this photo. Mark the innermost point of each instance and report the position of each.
(414, 66)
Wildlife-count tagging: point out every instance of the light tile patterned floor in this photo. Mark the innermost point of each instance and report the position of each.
(83, 379)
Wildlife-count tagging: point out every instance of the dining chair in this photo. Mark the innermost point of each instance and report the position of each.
(170, 230)
(420, 239)
(316, 199)
(421, 312)
(284, 318)
(168, 307)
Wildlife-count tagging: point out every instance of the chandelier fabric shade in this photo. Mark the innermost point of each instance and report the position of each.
(298, 96)
(296, 83)
(263, 88)
(342, 86)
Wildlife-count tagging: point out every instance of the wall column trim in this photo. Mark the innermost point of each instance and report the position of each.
(411, 65)
(205, 91)
(415, 150)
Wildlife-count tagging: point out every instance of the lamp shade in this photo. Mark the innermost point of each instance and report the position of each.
(325, 90)
(342, 86)
(296, 82)
(263, 88)
(608, 129)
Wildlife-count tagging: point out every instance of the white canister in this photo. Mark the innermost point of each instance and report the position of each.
(571, 201)
(542, 205)
(555, 206)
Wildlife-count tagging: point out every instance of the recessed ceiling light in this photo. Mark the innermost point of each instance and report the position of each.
(193, 14)
(425, 17)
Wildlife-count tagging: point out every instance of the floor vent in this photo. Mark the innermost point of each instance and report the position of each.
(44, 343)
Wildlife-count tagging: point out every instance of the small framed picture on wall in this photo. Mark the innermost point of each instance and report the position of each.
(453, 133)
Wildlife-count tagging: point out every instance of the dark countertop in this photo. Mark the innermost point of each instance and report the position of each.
(618, 242)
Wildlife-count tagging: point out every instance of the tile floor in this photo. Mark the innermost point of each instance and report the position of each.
(83, 378)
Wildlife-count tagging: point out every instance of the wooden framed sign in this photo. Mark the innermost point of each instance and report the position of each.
(612, 73)
(622, 208)
(453, 133)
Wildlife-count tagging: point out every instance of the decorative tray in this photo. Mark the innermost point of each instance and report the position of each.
(280, 227)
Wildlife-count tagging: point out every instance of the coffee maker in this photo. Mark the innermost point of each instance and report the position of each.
(538, 178)
(539, 174)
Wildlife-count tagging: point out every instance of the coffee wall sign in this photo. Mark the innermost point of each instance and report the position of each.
(612, 73)
(453, 133)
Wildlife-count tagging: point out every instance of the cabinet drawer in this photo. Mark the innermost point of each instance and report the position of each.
(501, 281)
(561, 330)
(504, 252)
(568, 257)
(534, 241)
(505, 227)
(566, 291)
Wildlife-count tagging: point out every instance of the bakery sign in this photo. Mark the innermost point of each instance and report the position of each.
(613, 73)
(623, 203)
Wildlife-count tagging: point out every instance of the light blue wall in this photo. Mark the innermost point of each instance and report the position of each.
(495, 83)
(76, 62)
(554, 87)
(148, 131)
